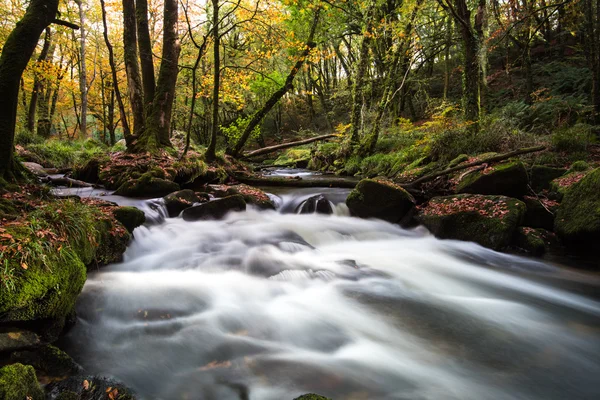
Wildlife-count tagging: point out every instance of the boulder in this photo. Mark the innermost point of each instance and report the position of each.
(488, 220)
(147, 186)
(533, 241)
(540, 176)
(130, 217)
(578, 217)
(18, 339)
(48, 361)
(176, 202)
(89, 387)
(508, 178)
(215, 209)
(382, 199)
(312, 396)
(316, 204)
(540, 212)
(35, 168)
(252, 196)
(560, 186)
(18, 382)
(88, 172)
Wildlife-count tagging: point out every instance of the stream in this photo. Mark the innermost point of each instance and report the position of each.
(268, 305)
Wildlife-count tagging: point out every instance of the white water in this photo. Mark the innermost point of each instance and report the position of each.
(265, 306)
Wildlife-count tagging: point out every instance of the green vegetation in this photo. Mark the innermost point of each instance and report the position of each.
(18, 382)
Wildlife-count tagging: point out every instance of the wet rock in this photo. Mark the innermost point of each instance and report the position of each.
(578, 217)
(88, 387)
(178, 201)
(147, 186)
(88, 172)
(252, 196)
(533, 241)
(508, 178)
(35, 168)
(560, 186)
(19, 382)
(316, 204)
(540, 176)
(48, 361)
(130, 217)
(540, 212)
(488, 220)
(18, 339)
(215, 209)
(312, 396)
(378, 198)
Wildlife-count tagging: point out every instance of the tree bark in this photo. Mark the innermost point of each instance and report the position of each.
(37, 82)
(212, 146)
(17, 51)
(271, 149)
(132, 69)
(145, 47)
(82, 72)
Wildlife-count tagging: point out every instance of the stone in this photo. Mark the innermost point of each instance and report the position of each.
(533, 241)
(251, 195)
(540, 176)
(47, 360)
(18, 339)
(488, 220)
(147, 186)
(312, 396)
(19, 382)
(316, 204)
(35, 168)
(382, 199)
(215, 209)
(178, 201)
(89, 387)
(130, 217)
(508, 178)
(540, 212)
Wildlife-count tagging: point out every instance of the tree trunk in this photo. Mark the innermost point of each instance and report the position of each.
(82, 72)
(132, 69)
(275, 97)
(37, 82)
(145, 46)
(17, 51)
(211, 151)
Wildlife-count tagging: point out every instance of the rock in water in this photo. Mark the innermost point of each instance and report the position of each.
(578, 218)
(216, 209)
(379, 198)
(176, 202)
(316, 204)
(130, 217)
(18, 382)
(490, 221)
(508, 178)
(147, 186)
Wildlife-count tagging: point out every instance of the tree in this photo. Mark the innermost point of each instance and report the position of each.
(83, 86)
(17, 51)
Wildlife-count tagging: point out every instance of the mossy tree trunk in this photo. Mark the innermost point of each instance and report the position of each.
(132, 70)
(37, 82)
(83, 86)
(212, 146)
(17, 51)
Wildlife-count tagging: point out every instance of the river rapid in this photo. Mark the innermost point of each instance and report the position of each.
(268, 305)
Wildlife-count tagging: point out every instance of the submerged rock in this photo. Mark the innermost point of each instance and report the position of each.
(312, 396)
(316, 204)
(18, 339)
(378, 198)
(488, 220)
(147, 186)
(130, 217)
(47, 360)
(88, 387)
(215, 209)
(178, 201)
(578, 218)
(508, 178)
(19, 382)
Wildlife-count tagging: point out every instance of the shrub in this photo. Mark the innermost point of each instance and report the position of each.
(25, 137)
(574, 139)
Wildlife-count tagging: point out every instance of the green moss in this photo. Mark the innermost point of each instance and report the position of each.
(578, 166)
(534, 241)
(252, 196)
(578, 217)
(130, 217)
(508, 178)
(18, 382)
(296, 157)
(380, 199)
(47, 360)
(68, 396)
(458, 160)
(147, 186)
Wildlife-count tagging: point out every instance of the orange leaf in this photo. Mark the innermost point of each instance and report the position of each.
(86, 385)
(24, 266)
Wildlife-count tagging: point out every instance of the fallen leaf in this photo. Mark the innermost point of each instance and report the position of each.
(24, 266)
(86, 385)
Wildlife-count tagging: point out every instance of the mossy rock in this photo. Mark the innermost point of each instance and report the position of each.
(578, 218)
(534, 241)
(508, 178)
(252, 196)
(540, 176)
(560, 186)
(17, 339)
(18, 382)
(215, 209)
(112, 243)
(458, 160)
(130, 217)
(147, 186)
(578, 166)
(488, 220)
(312, 396)
(48, 361)
(88, 172)
(88, 387)
(382, 199)
(315, 204)
(540, 213)
(178, 201)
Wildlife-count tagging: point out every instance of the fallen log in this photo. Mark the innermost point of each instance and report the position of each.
(271, 149)
(69, 182)
(499, 157)
(296, 181)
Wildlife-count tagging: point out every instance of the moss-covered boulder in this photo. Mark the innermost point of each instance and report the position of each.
(178, 201)
(540, 212)
(17, 339)
(488, 220)
(578, 218)
(48, 361)
(215, 209)
(130, 217)
(18, 382)
(252, 195)
(88, 387)
(312, 396)
(540, 176)
(315, 204)
(560, 186)
(508, 178)
(382, 199)
(533, 241)
(147, 186)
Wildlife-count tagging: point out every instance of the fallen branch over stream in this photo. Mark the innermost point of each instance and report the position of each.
(296, 182)
(271, 149)
(499, 157)
(64, 181)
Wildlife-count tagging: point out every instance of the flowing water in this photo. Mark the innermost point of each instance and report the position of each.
(269, 305)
